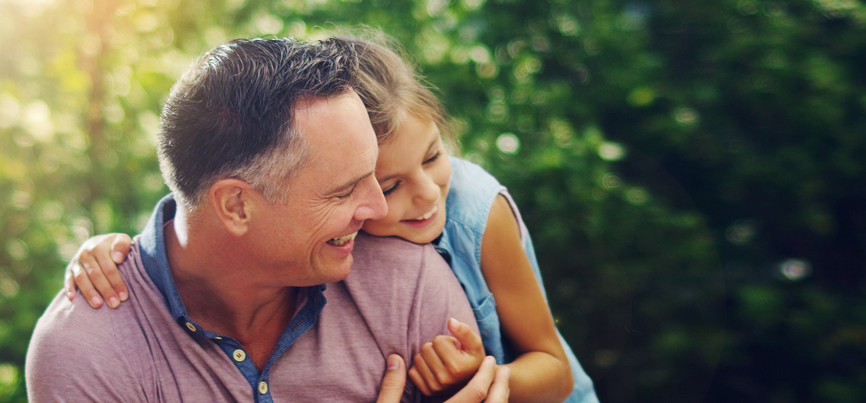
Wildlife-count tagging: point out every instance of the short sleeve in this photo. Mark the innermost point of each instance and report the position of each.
(78, 354)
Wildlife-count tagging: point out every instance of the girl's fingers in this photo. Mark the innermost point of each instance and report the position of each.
(98, 276)
(82, 281)
(437, 367)
(120, 247)
(69, 282)
(425, 380)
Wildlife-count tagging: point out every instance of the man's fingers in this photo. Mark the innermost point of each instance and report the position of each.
(469, 340)
(499, 391)
(476, 390)
(394, 380)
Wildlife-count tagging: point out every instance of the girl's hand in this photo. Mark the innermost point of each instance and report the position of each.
(447, 362)
(489, 385)
(94, 270)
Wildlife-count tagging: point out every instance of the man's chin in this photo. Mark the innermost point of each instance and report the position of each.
(333, 270)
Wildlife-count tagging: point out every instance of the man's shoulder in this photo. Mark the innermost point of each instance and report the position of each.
(381, 256)
(78, 353)
(390, 271)
(72, 329)
(75, 327)
(82, 346)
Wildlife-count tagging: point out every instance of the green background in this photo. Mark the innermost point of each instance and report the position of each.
(692, 172)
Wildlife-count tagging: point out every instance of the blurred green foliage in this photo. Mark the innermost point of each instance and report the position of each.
(692, 172)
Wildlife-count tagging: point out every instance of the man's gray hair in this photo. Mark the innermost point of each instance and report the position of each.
(232, 114)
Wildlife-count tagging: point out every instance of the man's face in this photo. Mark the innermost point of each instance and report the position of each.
(309, 239)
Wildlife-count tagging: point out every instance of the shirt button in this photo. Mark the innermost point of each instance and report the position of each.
(239, 355)
(190, 326)
(263, 387)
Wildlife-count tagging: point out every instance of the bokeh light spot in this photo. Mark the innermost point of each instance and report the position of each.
(8, 376)
(611, 181)
(9, 111)
(268, 24)
(741, 232)
(686, 116)
(795, 269)
(610, 151)
(641, 96)
(508, 143)
(17, 249)
(636, 196)
(8, 289)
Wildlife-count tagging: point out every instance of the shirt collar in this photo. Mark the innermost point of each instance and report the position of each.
(151, 246)
(153, 256)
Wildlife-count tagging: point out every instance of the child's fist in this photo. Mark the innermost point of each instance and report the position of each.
(447, 362)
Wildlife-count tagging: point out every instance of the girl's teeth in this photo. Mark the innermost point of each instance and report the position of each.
(339, 241)
(429, 214)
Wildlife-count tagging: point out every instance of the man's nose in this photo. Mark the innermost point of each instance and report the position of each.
(373, 206)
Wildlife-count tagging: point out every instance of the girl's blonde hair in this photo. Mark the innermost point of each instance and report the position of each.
(391, 87)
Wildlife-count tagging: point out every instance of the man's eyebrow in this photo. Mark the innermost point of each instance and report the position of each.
(350, 184)
(430, 147)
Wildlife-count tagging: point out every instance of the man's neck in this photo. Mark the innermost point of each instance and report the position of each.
(215, 287)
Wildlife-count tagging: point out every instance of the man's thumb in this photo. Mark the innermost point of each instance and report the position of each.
(394, 380)
(468, 340)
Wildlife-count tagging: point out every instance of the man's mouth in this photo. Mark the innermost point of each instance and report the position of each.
(340, 240)
(428, 214)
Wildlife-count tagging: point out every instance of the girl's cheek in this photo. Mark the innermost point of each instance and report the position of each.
(394, 210)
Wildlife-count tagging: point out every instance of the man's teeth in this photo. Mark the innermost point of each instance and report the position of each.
(429, 214)
(340, 240)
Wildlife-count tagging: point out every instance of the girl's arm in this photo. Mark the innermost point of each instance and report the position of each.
(541, 371)
(94, 270)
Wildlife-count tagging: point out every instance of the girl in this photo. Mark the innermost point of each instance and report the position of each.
(457, 206)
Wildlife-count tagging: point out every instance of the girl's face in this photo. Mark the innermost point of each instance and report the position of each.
(413, 171)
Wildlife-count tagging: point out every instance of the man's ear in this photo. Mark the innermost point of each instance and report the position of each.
(231, 201)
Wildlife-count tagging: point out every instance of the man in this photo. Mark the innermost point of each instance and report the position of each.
(270, 156)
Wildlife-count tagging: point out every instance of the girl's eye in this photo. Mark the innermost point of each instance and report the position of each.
(391, 189)
(434, 157)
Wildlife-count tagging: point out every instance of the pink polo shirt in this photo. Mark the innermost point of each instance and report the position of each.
(398, 296)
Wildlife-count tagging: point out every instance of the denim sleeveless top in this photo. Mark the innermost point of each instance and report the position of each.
(470, 198)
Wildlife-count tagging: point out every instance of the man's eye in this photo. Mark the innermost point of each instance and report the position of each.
(391, 189)
(347, 194)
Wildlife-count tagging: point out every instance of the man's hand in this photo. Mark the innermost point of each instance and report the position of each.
(447, 363)
(94, 270)
(394, 381)
(489, 385)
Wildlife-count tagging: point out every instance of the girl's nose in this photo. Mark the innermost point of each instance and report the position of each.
(427, 190)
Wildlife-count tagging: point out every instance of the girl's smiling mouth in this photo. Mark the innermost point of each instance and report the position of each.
(429, 214)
